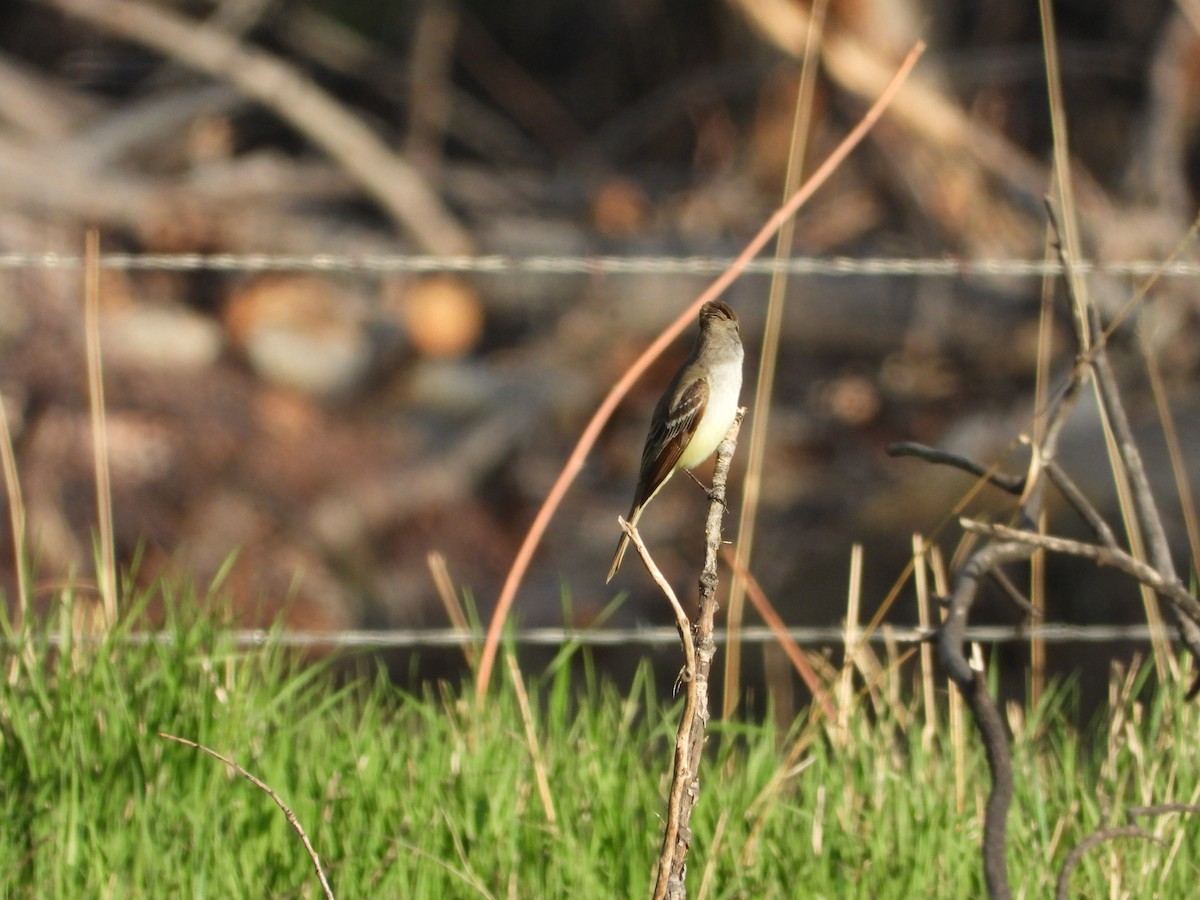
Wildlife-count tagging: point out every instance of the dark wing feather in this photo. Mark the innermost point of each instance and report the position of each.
(667, 440)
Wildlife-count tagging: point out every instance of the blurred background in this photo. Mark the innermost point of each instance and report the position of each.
(332, 391)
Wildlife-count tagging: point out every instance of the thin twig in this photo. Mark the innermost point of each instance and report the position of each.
(682, 622)
(1146, 521)
(1170, 588)
(266, 789)
(1013, 484)
(1062, 891)
(1175, 451)
(1092, 344)
(1080, 503)
(679, 770)
(972, 686)
(1068, 234)
(1013, 593)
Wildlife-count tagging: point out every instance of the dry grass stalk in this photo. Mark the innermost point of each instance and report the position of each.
(106, 564)
(768, 362)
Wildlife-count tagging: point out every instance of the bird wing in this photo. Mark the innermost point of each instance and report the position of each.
(666, 443)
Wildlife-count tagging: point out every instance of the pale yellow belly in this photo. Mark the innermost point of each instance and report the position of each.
(718, 416)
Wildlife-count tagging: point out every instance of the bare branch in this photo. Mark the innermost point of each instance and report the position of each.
(1013, 484)
(1160, 809)
(1107, 834)
(951, 636)
(681, 762)
(1148, 520)
(1062, 892)
(672, 872)
(973, 687)
(1170, 588)
(682, 622)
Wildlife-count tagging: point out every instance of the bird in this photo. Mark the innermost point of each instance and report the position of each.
(694, 413)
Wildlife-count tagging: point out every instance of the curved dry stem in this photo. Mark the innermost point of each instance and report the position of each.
(266, 789)
(1063, 888)
(774, 621)
(586, 440)
(1012, 484)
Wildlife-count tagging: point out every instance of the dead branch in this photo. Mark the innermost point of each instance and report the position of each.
(1170, 588)
(1080, 503)
(270, 81)
(973, 686)
(951, 636)
(1181, 611)
(699, 649)
(1062, 890)
(1107, 834)
(35, 108)
(1013, 484)
(1014, 594)
(1012, 544)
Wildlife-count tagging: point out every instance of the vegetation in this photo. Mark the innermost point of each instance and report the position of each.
(426, 795)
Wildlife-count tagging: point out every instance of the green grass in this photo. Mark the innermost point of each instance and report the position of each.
(424, 796)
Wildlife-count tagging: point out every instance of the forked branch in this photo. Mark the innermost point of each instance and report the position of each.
(699, 648)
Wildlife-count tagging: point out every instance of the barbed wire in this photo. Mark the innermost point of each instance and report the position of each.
(434, 638)
(607, 265)
(589, 265)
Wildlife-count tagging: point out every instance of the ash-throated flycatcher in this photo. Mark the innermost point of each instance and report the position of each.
(695, 412)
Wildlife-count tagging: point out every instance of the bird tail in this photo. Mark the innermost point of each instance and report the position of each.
(623, 544)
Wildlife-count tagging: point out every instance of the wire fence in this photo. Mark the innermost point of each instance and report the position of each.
(432, 638)
(651, 637)
(938, 267)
